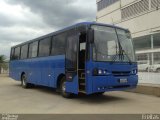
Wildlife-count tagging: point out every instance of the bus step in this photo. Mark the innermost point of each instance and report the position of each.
(82, 91)
(82, 87)
(83, 84)
(82, 75)
(82, 78)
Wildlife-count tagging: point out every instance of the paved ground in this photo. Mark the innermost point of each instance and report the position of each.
(14, 99)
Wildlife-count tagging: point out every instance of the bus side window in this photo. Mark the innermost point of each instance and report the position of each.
(58, 44)
(16, 53)
(71, 52)
(12, 54)
(44, 47)
(24, 51)
(33, 49)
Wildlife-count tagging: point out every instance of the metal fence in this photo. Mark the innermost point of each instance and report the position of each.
(149, 77)
(4, 68)
(149, 67)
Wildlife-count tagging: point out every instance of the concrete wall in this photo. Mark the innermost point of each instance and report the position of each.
(140, 25)
(110, 14)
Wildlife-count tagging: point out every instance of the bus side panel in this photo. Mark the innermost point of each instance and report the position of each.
(57, 68)
(89, 79)
(40, 71)
(18, 67)
(24, 67)
(11, 70)
(43, 66)
(46, 70)
(72, 86)
(51, 68)
(34, 73)
(14, 70)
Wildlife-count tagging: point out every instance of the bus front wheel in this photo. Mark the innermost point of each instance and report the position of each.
(63, 89)
(24, 81)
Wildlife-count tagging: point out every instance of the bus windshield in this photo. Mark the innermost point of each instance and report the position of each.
(112, 44)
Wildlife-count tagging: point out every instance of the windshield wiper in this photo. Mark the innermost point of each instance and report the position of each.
(121, 52)
(121, 56)
(124, 53)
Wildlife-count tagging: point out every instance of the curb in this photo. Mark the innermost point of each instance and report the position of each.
(148, 89)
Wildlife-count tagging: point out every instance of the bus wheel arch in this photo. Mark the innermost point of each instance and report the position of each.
(23, 73)
(59, 78)
(61, 84)
(24, 83)
(63, 89)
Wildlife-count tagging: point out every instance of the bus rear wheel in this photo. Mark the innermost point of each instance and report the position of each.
(63, 89)
(24, 83)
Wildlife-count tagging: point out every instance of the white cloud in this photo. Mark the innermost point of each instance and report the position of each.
(22, 20)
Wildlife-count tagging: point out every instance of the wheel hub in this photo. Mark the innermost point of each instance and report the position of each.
(64, 87)
(24, 81)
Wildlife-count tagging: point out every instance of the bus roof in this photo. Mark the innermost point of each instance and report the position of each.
(68, 28)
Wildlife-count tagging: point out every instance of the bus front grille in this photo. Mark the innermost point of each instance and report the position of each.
(122, 86)
(121, 73)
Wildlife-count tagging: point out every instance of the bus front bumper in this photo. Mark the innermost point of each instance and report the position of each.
(112, 83)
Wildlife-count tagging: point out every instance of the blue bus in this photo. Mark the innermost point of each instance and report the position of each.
(89, 57)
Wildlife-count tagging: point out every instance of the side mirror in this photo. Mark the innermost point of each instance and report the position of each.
(91, 36)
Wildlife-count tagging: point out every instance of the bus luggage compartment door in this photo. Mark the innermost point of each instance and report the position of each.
(71, 64)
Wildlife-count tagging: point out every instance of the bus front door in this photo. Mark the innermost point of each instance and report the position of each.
(71, 62)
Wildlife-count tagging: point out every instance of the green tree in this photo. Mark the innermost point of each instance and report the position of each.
(2, 62)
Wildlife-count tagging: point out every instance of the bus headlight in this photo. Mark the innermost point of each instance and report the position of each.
(134, 71)
(100, 72)
(106, 72)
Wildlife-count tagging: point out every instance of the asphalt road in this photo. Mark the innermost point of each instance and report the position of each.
(14, 99)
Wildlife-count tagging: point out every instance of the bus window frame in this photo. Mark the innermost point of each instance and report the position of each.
(27, 51)
(77, 30)
(50, 41)
(19, 53)
(37, 49)
(12, 54)
(70, 32)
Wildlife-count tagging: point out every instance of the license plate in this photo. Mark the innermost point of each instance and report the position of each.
(123, 80)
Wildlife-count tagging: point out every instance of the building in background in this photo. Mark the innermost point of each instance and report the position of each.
(142, 18)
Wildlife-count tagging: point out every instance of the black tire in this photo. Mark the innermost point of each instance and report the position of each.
(99, 93)
(63, 88)
(24, 83)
